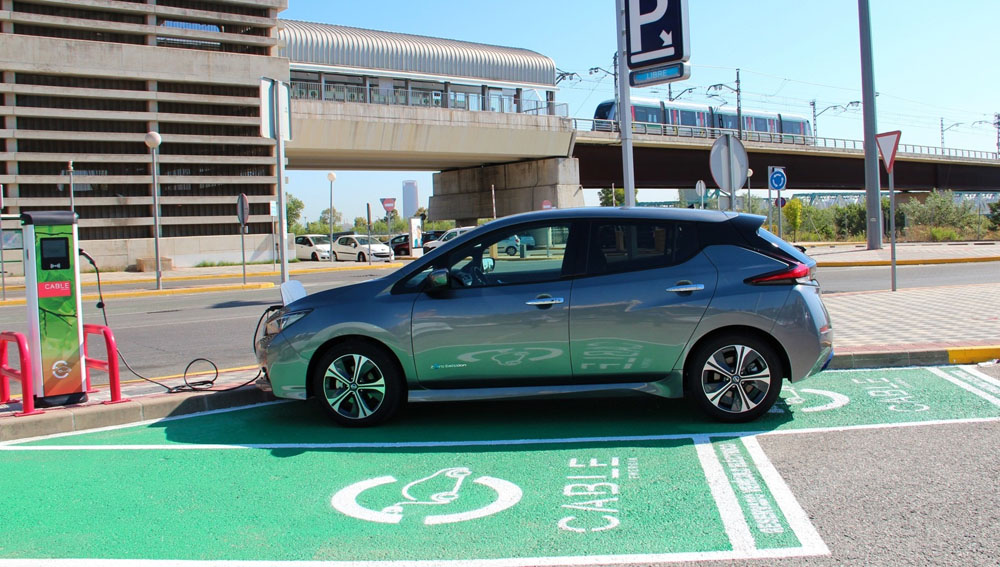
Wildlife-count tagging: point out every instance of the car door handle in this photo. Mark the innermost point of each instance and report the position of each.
(682, 288)
(543, 301)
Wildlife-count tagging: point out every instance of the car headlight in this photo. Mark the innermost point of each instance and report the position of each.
(282, 320)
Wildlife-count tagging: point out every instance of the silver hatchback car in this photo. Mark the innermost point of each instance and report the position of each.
(672, 302)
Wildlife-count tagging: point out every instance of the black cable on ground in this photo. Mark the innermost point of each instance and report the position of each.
(198, 386)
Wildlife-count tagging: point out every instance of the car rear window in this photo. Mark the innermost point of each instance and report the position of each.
(784, 246)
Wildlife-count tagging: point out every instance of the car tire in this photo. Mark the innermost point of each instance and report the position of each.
(361, 256)
(511, 251)
(315, 257)
(358, 384)
(728, 393)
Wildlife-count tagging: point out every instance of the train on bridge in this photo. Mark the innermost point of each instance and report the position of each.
(655, 116)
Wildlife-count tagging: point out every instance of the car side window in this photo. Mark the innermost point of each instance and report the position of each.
(511, 256)
(343, 241)
(639, 245)
(300, 240)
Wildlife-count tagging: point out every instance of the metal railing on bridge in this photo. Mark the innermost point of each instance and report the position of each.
(426, 98)
(678, 131)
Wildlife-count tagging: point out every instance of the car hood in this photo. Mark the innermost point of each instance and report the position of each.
(344, 294)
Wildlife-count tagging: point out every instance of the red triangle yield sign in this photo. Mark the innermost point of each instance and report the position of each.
(888, 143)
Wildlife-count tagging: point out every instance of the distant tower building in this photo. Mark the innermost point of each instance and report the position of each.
(411, 198)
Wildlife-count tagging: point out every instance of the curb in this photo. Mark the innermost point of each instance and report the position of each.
(854, 263)
(152, 292)
(938, 357)
(144, 408)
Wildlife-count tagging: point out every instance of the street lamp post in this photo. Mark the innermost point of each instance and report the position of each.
(943, 130)
(153, 141)
(996, 124)
(842, 107)
(332, 177)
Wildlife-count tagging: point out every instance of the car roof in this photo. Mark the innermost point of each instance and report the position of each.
(624, 213)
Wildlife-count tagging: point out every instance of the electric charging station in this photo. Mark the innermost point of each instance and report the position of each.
(55, 324)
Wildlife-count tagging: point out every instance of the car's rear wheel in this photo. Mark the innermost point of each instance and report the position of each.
(358, 384)
(361, 256)
(734, 378)
(511, 251)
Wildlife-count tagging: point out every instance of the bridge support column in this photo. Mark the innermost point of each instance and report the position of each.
(464, 194)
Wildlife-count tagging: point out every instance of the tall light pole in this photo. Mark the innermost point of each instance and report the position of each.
(153, 141)
(842, 107)
(943, 130)
(332, 177)
(72, 203)
(873, 204)
(995, 124)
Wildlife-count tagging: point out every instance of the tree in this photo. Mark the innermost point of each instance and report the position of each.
(994, 216)
(619, 197)
(293, 209)
(324, 218)
(793, 214)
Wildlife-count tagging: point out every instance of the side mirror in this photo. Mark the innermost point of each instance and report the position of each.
(438, 279)
(488, 264)
(354, 245)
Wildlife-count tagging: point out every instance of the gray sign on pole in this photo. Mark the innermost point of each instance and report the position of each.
(242, 208)
(729, 164)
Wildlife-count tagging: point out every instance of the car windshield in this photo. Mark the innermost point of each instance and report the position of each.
(365, 241)
(321, 239)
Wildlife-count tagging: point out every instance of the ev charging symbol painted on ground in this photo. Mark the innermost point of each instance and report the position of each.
(507, 494)
(833, 400)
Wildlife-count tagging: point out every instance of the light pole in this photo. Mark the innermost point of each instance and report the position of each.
(995, 124)
(72, 203)
(332, 177)
(670, 92)
(613, 74)
(842, 107)
(943, 130)
(153, 140)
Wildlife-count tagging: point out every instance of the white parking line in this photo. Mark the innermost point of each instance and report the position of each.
(965, 386)
(730, 511)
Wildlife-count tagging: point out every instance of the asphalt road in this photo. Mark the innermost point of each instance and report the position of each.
(870, 278)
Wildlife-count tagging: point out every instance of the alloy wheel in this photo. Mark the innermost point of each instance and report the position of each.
(354, 386)
(736, 379)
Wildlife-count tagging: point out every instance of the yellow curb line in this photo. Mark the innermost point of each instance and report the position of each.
(225, 276)
(968, 355)
(149, 292)
(848, 264)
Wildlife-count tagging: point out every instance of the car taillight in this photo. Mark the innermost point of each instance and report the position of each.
(794, 274)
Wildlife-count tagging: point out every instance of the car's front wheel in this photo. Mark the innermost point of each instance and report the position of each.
(734, 378)
(361, 256)
(358, 384)
(315, 257)
(511, 251)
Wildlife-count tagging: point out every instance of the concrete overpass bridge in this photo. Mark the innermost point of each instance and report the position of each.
(530, 158)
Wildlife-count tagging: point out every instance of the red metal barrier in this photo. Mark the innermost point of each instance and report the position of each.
(24, 374)
(110, 365)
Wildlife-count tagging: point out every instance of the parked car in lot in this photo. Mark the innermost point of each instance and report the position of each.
(400, 244)
(671, 302)
(512, 246)
(312, 247)
(447, 236)
(361, 248)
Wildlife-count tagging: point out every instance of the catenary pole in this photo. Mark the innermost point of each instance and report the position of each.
(625, 109)
(873, 209)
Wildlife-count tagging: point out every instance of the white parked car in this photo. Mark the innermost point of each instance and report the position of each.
(312, 247)
(359, 247)
(446, 237)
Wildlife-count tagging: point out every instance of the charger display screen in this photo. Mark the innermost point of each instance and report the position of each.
(54, 253)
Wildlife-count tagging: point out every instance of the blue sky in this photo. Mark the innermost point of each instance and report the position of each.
(933, 60)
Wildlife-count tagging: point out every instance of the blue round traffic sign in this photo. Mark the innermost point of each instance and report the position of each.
(778, 179)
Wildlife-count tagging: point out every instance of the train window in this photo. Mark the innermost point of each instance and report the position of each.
(604, 111)
(791, 127)
(646, 114)
(727, 121)
(688, 118)
(760, 124)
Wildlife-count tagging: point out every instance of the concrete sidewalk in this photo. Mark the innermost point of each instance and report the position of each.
(921, 326)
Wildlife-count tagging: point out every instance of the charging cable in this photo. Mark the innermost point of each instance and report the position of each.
(188, 386)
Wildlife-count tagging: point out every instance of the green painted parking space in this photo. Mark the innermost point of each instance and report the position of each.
(629, 479)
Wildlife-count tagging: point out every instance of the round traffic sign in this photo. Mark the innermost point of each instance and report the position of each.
(778, 179)
(546, 204)
(728, 163)
(699, 188)
(780, 202)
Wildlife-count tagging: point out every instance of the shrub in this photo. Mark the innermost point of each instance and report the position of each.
(940, 209)
(942, 234)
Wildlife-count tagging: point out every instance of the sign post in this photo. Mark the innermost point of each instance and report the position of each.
(699, 188)
(888, 143)
(655, 46)
(276, 123)
(777, 180)
(3, 269)
(242, 214)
